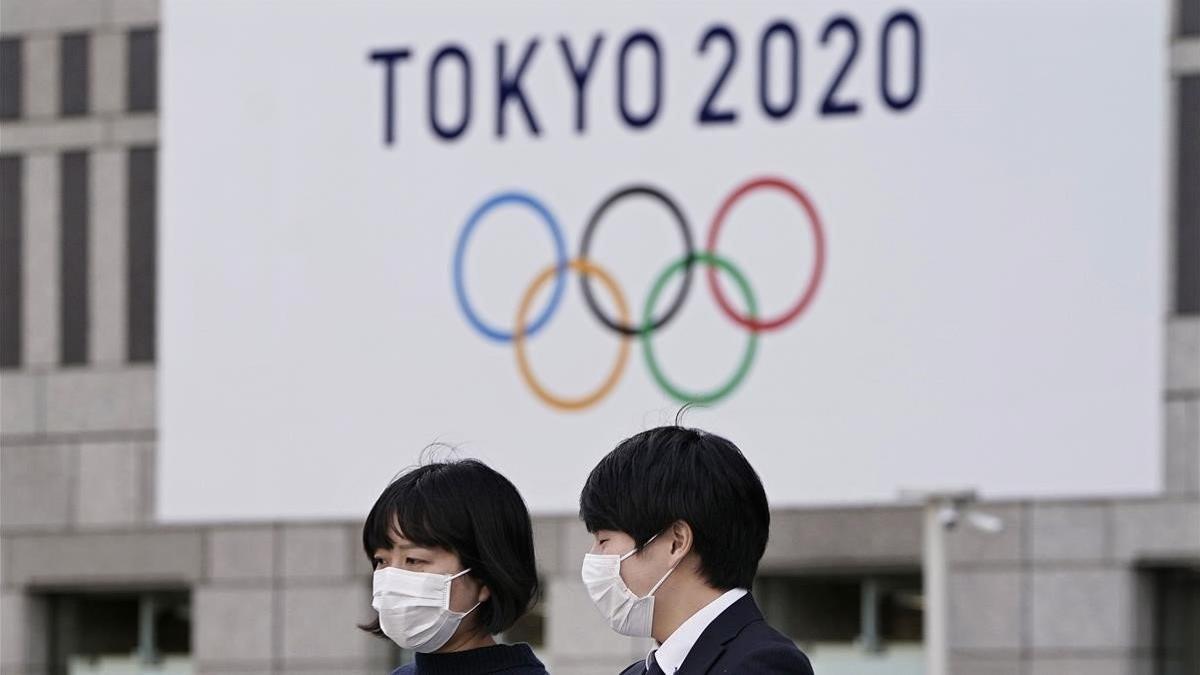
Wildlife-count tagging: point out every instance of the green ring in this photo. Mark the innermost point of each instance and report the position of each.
(710, 259)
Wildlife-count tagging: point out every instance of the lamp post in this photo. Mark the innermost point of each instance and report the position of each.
(943, 511)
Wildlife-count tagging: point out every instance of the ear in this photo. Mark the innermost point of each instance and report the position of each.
(484, 594)
(681, 538)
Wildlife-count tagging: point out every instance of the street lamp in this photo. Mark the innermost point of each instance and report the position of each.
(944, 511)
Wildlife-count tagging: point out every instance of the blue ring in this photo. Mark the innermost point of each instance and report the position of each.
(460, 252)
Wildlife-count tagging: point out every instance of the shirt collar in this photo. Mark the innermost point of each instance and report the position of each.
(670, 654)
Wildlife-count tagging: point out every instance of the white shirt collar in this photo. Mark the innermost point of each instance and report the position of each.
(670, 654)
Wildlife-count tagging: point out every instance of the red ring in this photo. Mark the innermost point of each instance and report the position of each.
(814, 281)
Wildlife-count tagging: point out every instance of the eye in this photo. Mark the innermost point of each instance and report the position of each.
(413, 561)
(377, 563)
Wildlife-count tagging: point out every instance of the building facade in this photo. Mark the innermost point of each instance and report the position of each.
(90, 583)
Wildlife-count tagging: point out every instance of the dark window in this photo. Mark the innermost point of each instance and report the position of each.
(1176, 621)
(10, 262)
(1187, 199)
(142, 241)
(11, 74)
(118, 632)
(73, 74)
(142, 71)
(73, 258)
(1189, 17)
(871, 611)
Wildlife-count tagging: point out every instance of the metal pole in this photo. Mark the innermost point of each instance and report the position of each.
(933, 570)
(147, 655)
(871, 640)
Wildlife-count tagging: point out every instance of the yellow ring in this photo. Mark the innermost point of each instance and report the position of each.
(553, 400)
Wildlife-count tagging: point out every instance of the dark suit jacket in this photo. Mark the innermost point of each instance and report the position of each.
(739, 642)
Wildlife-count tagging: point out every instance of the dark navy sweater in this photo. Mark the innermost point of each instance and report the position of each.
(507, 659)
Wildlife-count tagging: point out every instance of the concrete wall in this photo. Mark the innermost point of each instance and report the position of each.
(266, 598)
(1061, 589)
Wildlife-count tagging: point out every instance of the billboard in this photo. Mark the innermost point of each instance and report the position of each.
(881, 245)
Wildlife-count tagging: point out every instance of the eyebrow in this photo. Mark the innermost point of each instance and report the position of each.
(405, 544)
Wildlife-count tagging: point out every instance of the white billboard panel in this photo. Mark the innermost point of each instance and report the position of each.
(888, 244)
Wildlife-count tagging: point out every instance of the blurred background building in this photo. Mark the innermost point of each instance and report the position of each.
(91, 584)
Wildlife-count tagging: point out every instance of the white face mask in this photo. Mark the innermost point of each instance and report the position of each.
(626, 612)
(414, 608)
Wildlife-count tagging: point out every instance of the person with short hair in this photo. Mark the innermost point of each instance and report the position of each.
(680, 521)
(451, 544)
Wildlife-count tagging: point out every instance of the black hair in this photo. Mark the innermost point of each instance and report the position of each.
(466, 507)
(672, 473)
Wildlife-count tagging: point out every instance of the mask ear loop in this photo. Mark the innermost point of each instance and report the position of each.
(664, 577)
(637, 549)
(451, 580)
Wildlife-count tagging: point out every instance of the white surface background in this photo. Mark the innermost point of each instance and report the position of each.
(990, 314)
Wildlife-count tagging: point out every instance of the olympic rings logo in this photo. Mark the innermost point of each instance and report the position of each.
(625, 326)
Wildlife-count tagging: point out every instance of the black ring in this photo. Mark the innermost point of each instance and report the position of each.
(585, 242)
